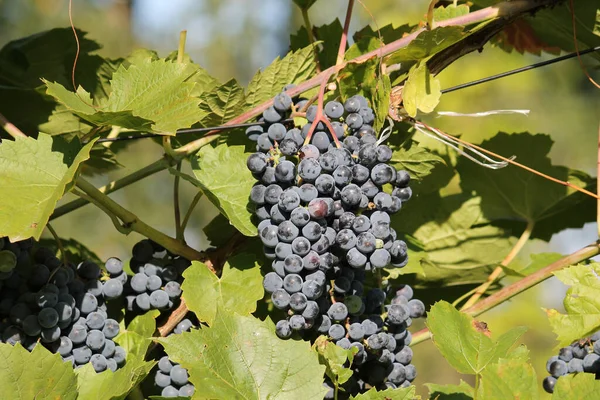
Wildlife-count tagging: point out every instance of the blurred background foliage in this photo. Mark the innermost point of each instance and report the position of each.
(233, 38)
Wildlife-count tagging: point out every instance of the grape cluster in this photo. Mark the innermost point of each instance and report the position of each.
(324, 220)
(156, 283)
(580, 356)
(171, 378)
(64, 307)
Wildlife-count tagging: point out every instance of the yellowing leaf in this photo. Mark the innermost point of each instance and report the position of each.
(421, 91)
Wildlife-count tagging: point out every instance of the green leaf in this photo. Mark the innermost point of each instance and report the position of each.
(47, 54)
(388, 394)
(327, 42)
(577, 387)
(421, 91)
(380, 96)
(462, 391)
(238, 289)
(581, 303)
(451, 11)
(221, 104)
(333, 358)
(36, 375)
(76, 251)
(513, 193)
(218, 231)
(295, 67)
(596, 29)
(157, 91)
(305, 4)
(509, 379)
(226, 181)
(137, 336)
(241, 357)
(387, 33)
(475, 350)
(427, 44)
(34, 174)
(81, 104)
(418, 161)
(110, 385)
(460, 245)
(538, 261)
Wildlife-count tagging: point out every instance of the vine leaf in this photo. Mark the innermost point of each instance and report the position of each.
(226, 181)
(221, 104)
(421, 91)
(237, 290)
(39, 374)
(510, 378)
(388, 394)
(380, 96)
(576, 387)
(476, 349)
(293, 68)
(459, 246)
(417, 160)
(241, 357)
(581, 303)
(305, 4)
(538, 261)
(34, 174)
(451, 11)
(462, 391)
(136, 337)
(427, 44)
(333, 358)
(110, 385)
(76, 251)
(328, 36)
(513, 193)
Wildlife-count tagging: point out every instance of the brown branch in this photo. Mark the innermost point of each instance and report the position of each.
(522, 285)
(506, 10)
(344, 38)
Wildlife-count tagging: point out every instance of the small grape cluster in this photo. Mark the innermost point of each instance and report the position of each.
(171, 378)
(64, 307)
(156, 283)
(581, 356)
(324, 220)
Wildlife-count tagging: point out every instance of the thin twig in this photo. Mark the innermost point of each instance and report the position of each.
(176, 316)
(10, 128)
(181, 47)
(61, 248)
(311, 37)
(76, 42)
(188, 214)
(510, 161)
(344, 38)
(177, 209)
(115, 221)
(480, 291)
(520, 286)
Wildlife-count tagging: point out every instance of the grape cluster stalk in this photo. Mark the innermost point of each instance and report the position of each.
(323, 200)
(62, 307)
(582, 356)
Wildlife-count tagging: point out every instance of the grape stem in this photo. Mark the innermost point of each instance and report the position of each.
(10, 128)
(521, 285)
(480, 291)
(63, 253)
(344, 38)
(506, 10)
(176, 208)
(136, 176)
(188, 214)
(131, 221)
(311, 36)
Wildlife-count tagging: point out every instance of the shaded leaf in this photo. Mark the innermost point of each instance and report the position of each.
(421, 91)
(418, 161)
(305, 4)
(76, 251)
(221, 104)
(380, 98)
(34, 174)
(462, 391)
(241, 357)
(295, 67)
(36, 375)
(475, 350)
(137, 336)
(387, 33)
(538, 261)
(237, 290)
(328, 38)
(582, 304)
(218, 231)
(427, 44)
(333, 358)
(224, 178)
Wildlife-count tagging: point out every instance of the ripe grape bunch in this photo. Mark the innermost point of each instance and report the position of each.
(324, 220)
(156, 283)
(64, 307)
(171, 378)
(581, 356)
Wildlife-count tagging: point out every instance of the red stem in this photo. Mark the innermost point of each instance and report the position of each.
(344, 39)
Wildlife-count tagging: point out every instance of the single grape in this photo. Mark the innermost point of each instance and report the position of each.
(307, 192)
(559, 368)
(98, 361)
(280, 299)
(297, 322)
(298, 302)
(111, 328)
(187, 390)
(337, 312)
(48, 317)
(112, 288)
(95, 340)
(271, 115)
(169, 391)
(309, 169)
(548, 383)
(283, 329)
(95, 320)
(109, 348)
(336, 331)
(78, 334)
(179, 375)
(334, 109)
(88, 303)
(164, 365)
(173, 289)
(138, 282)
(82, 355)
(142, 300)
(161, 379)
